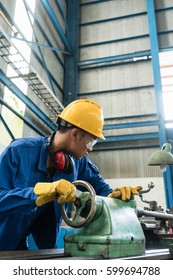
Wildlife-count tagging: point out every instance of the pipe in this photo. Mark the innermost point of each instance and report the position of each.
(9, 24)
(141, 212)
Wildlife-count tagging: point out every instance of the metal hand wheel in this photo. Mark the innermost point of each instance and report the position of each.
(84, 207)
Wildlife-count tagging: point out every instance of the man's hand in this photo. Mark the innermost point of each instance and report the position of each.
(62, 191)
(125, 193)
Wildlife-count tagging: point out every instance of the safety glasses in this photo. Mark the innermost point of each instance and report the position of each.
(91, 144)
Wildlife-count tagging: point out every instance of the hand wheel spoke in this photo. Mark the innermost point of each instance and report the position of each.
(81, 203)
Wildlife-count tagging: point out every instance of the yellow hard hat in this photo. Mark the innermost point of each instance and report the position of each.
(85, 114)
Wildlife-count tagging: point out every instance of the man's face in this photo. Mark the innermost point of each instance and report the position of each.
(83, 143)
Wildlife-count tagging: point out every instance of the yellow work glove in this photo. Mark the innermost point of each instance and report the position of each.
(62, 191)
(125, 193)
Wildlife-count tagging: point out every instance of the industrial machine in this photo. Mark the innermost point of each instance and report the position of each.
(111, 228)
(108, 228)
(157, 223)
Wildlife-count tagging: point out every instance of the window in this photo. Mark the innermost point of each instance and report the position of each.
(166, 66)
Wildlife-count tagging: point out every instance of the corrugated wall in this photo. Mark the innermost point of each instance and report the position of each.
(115, 70)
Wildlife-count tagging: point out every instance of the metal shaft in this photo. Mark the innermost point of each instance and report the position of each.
(141, 212)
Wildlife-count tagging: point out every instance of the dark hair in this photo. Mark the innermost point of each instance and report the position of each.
(64, 129)
(64, 126)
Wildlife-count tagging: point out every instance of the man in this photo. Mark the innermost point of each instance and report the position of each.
(36, 174)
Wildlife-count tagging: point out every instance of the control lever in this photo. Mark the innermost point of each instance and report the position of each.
(153, 206)
(150, 186)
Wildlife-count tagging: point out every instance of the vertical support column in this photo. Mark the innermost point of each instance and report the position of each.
(71, 63)
(158, 94)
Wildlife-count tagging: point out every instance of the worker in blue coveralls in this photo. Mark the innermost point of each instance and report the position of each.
(36, 175)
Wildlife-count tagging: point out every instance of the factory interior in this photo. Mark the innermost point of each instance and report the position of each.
(118, 53)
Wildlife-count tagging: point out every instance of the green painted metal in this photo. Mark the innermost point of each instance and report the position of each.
(115, 231)
(163, 156)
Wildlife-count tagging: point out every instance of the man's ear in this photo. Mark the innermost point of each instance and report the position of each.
(74, 133)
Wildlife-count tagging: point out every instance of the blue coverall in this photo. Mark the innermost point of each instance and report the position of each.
(22, 165)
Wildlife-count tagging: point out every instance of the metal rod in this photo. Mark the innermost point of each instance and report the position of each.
(141, 212)
(8, 23)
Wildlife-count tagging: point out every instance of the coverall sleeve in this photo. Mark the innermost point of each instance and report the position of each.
(89, 172)
(15, 194)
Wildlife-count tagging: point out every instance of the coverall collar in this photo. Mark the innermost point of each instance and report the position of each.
(43, 156)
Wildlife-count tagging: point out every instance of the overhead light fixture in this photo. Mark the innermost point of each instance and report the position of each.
(162, 157)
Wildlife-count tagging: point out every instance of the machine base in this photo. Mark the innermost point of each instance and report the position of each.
(54, 254)
(114, 232)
